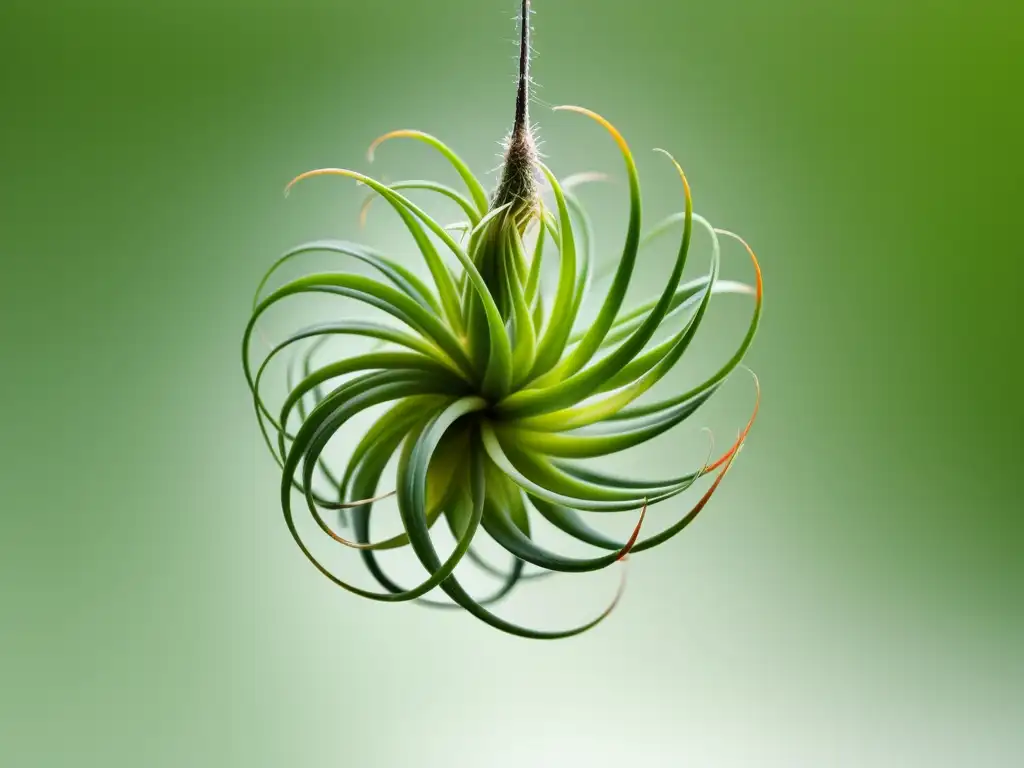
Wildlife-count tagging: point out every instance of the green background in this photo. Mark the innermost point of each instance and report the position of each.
(852, 597)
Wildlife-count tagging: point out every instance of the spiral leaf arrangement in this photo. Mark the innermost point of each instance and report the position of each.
(494, 394)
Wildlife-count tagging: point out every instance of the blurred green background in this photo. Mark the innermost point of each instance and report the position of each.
(853, 596)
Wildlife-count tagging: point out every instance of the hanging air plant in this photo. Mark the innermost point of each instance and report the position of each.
(495, 398)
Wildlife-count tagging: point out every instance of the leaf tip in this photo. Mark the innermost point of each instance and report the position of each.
(624, 552)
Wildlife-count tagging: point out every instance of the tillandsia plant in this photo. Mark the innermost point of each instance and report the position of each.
(495, 390)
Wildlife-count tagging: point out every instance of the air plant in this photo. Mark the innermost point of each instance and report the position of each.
(495, 395)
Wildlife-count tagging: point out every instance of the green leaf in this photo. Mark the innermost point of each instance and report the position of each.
(442, 381)
(611, 438)
(563, 481)
(373, 293)
(533, 278)
(591, 341)
(476, 190)
(499, 524)
(556, 333)
(401, 277)
(583, 284)
(525, 346)
(430, 186)
(497, 454)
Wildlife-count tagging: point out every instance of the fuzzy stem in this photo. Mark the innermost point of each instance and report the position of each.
(522, 124)
(518, 184)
